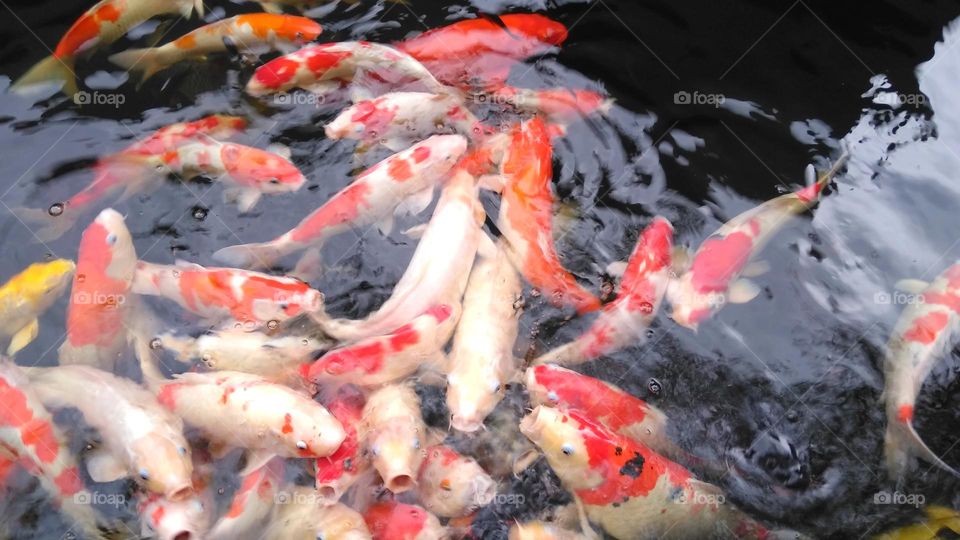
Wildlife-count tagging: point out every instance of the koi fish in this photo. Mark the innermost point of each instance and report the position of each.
(384, 359)
(398, 521)
(254, 32)
(328, 67)
(714, 276)
(439, 268)
(26, 296)
(394, 434)
(298, 516)
(163, 519)
(29, 436)
(251, 504)
(482, 50)
(625, 320)
(141, 438)
(398, 119)
(481, 360)
(538, 530)
(921, 336)
(526, 217)
(100, 294)
(104, 23)
(250, 412)
(939, 518)
(217, 293)
(453, 485)
(558, 105)
(336, 473)
(631, 491)
(402, 183)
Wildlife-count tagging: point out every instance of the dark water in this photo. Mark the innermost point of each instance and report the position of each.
(795, 375)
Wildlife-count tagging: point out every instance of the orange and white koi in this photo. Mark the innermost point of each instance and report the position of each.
(481, 360)
(163, 519)
(251, 505)
(559, 105)
(26, 296)
(397, 521)
(398, 119)
(625, 320)
(923, 334)
(102, 24)
(384, 359)
(450, 484)
(250, 412)
(218, 293)
(249, 33)
(394, 434)
(141, 438)
(298, 516)
(328, 67)
(714, 276)
(100, 296)
(438, 271)
(628, 489)
(526, 216)
(336, 473)
(538, 530)
(402, 183)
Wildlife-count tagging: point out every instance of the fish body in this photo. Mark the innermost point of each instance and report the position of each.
(373, 197)
(939, 518)
(394, 434)
(539, 530)
(923, 334)
(300, 517)
(251, 505)
(481, 360)
(249, 33)
(526, 216)
(220, 293)
(100, 294)
(102, 24)
(27, 295)
(450, 484)
(624, 321)
(336, 473)
(250, 412)
(164, 519)
(398, 521)
(384, 359)
(141, 438)
(559, 105)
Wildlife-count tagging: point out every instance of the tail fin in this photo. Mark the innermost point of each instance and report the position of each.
(198, 7)
(45, 226)
(251, 256)
(49, 70)
(146, 61)
(901, 443)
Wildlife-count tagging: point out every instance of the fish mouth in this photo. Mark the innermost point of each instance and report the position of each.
(532, 424)
(328, 493)
(180, 493)
(182, 535)
(467, 423)
(398, 483)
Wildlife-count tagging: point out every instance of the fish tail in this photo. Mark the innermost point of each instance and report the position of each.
(198, 7)
(568, 354)
(901, 443)
(827, 177)
(251, 256)
(50, 69)
(271, 7)
(45, 226)
(146, 61)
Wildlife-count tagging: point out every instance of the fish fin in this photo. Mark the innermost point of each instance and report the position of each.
(617, 268)
(255, 460)
(913, 286)
(585, 527)
(145, 61)
(181, 263)
(323, 88)
(281, 150)
(49, 70)
(256, 255)
(197, 7)
(245, 199)
(492, 182)
(742, 291)
(397, 144)
(271, 7)
(902, 442)
(23, 337)
(756, 268)
(680, 259)
(45, 227)
(416, 203)
(104, 467)
(525, 460)
(385, 225)
(310, 265)
(810, 175)
(416, 231)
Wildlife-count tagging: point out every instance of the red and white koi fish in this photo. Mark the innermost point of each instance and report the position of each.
(384, 359)
(141, 438)
(218, 293)
(925, 331)
(538, 530)
(250, 412)
(397, 521)
(526, 217)
(714, 276)
(398, 119)
(624, 321)
(394, 435)
(298, 516)
(468, 51)
(29, 436)
(453, 485)
(482, 359)
(251, 504)
(249, 33)
(559, 105)
(163, 519)
(336, 473)
(403, 182)
(328, 67)
(554, 386)
(438, 271)
(628, 489)
(100, 297)
(104, 23)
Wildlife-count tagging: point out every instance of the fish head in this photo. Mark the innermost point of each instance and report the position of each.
(106, 247)
(298, 29)
(471, 397)
(163, 465)
(266, 171)
(563, 440)
(339, 522)
(46, 280)
(396, 453)
(439, 151)
(175, 520)
(457, 484)
(313, 433)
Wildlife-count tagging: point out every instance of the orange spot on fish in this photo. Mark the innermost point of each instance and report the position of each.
(905, 414)
(926, 328)
(400, 170)
(287, 426)
(39, 434)
(719, 260)
(69, 482)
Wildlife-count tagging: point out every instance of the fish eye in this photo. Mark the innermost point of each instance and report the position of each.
(274, 181)
(320, 536)
(416, 443)
(284, 306)
(144, 474)
(299, 35)
(302, 445)
(552, 396)
(182, 450)
(567, 449)
(375, 450)
(111, 239)
(198, 506)
(495, 386)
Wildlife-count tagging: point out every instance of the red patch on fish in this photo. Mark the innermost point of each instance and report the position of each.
(597, 399)
(69, 482)
(719, 261)
(287, 426)
(400, 170)
(226, 394)
(320, 61)
(420, 154)
(276, 73)
(403, 337)
(38, 433)
(926, 328)
(167, 395)
(343, 208)
(905, 414)
(395, 520)
(94, 316)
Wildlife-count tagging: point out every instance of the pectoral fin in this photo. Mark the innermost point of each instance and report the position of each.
(756, 268)
(617, 268)
(416, 203)
(23, 337)
(743, 291)
(255, 460)
(105, 467)
(245, 199)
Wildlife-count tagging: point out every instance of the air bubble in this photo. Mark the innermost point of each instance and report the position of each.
(654, 386)
(199, 213)
(81, 278)
(155, 343)
(646, 308)
(273, 325)
(55, 209)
